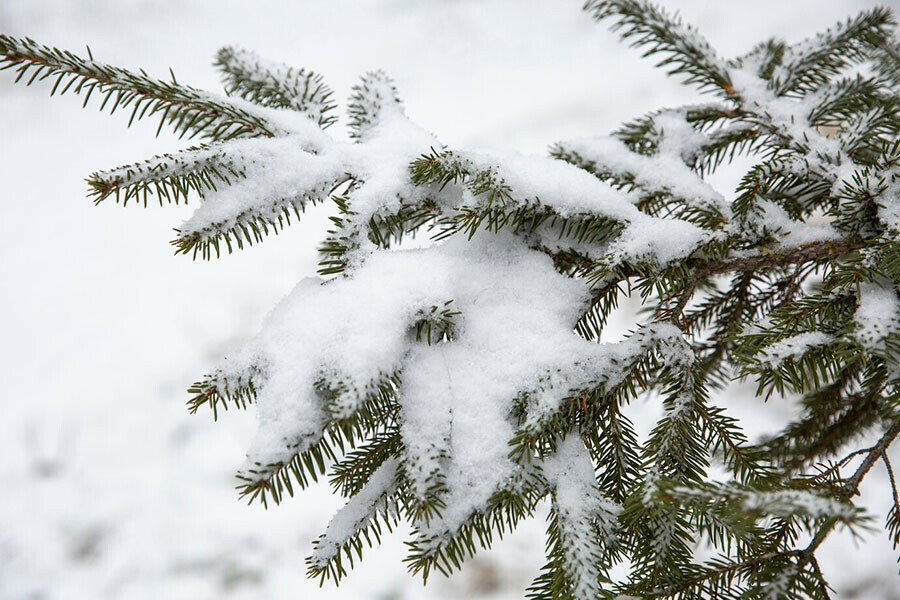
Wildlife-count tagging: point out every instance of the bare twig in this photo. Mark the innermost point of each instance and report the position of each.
(850, 489)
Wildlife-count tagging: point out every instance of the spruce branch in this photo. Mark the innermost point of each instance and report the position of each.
(249, 226)
(850, 487)
(887, 59)
(456, 386)
(187, 110)
(169, 177)
(275, 85)
(816, 251)
(373, 98)
(809, 64)
(370, 415)
(684, 50)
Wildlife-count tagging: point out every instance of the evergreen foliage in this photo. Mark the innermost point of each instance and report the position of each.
(459, 386)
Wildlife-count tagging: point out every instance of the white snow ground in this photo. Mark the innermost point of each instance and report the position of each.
(110, 489)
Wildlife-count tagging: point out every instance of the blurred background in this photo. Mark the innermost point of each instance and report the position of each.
(110, 489)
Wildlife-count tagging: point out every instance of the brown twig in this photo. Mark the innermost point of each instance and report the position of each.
(801, 254)
(850, 488)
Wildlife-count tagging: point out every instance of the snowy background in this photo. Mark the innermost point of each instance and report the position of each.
(110, 489)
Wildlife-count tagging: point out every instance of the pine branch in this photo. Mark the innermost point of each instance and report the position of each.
(187, 110)
(275, 85)
(810, 63)
(851, 485)
(684, 50)
(217, 390)
(816, 251)
(374, 99)
(370, 511)
(371, 416)
(214, 238)
(825, 428)
(507, 396)
(243, 213)
(663, 182)
(445, 551)
(887, 59)
(850, 488)
(169, 177)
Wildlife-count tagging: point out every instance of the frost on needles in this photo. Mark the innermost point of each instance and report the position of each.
(458, 385)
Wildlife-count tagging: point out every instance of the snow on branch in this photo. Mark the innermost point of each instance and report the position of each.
(810, 63)
(360, 519)
(583, 530)
(457, 383)
(527, 192)
(275, 85)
